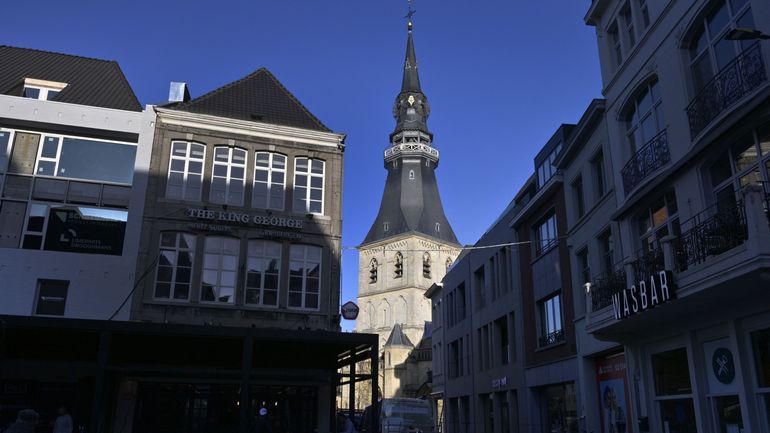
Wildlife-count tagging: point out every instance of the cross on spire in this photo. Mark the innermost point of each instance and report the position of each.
(409, 14)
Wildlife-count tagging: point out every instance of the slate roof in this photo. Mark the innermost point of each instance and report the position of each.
(93, 82)
(259, 97)
(398, 338)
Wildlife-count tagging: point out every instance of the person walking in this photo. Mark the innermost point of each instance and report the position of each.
(26, 421)
(63, 423)
(262, 424)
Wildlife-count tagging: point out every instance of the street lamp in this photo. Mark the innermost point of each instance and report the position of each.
(745, 34)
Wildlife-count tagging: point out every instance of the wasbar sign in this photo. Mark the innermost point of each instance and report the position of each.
(645, 294)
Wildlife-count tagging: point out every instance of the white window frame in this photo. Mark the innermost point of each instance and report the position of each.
(270, 185)
(186, 159)
(40, 158)
(308, 185)
(635, 119)
(44, 87)
(220, 255)
(229, 178)
(261, 255)
(306, 264)
(548, 309)
(26, 232)
(176, 249)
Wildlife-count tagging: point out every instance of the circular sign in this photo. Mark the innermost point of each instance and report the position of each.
(723, 365)
(349, 310)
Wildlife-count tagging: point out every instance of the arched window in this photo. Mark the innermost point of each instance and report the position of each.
(228, 176)
(269, 181)
(373, 271)
(185, 171)
(448, 264)
(426, 265)
(309, 185)
(384, 313)
(644, 116)
(175, 263)
(263, 265)
(710, 52)
(399, 267)
(370, 315)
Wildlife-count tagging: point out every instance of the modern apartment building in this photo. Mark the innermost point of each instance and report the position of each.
(688, 123)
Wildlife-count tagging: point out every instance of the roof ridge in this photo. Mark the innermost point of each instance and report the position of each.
(60, 54)
(294, 98)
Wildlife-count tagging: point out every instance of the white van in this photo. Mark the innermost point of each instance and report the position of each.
(401, 415)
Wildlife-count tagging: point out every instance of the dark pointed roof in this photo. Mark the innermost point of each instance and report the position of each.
(398, 338)
(259, 97)
(93, 82)
(411, 80)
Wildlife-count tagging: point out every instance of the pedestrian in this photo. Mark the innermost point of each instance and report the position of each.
(26, 421)
(63, 423)
(349, 426)
(262, 424)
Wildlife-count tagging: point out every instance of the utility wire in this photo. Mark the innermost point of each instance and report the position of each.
(147, 270)
(466, 247)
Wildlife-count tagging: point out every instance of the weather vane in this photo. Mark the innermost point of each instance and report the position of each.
(411, 12)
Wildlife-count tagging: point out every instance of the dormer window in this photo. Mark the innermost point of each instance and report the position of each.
(41, 89)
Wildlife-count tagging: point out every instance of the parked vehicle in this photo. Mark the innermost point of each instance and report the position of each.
(400, 415)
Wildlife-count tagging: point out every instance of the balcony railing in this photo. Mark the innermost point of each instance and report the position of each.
(711, 232)
(605, 285)
(551, 338)
(742, 75)
(652, 156)
(648, 262)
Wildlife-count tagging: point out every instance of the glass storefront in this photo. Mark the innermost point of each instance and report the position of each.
(560, 408)
(673, 391)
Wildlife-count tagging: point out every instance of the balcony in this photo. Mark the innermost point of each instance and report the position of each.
(551, 338)
(711, 233)
(652, 156)
(605, 285)
(742, 75)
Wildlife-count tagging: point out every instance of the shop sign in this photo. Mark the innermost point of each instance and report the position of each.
(647, 293)
(499, 383)
(349, 310)
(720, 363)
(614, 411)
(72, 231)
(723, 365)
(244, 218)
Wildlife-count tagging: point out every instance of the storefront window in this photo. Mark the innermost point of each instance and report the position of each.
(560, 408)
(671, 374)
(727, 412)
(760, 341)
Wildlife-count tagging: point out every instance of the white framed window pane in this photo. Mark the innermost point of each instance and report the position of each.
(174, 268)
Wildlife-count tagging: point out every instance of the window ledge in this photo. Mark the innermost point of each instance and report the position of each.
(550, 346)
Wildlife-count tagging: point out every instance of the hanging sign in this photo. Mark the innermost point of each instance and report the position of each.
(349, 310)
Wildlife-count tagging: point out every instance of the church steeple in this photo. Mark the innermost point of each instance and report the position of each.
(411, 201)
(411, 108)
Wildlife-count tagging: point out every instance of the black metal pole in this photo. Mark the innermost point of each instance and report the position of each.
(352, 385)
(97, 406)
(374, 426)
(245, 397)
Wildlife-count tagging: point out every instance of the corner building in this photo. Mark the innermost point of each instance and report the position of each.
(411, 243)
(690, 148)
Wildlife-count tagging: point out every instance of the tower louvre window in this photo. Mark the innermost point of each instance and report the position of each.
(399, 268)
(373, 271)
(426, 265)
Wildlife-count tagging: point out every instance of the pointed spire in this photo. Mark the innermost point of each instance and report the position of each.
(411, 80)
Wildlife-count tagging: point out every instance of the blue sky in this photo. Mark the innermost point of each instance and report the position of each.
(501, 76)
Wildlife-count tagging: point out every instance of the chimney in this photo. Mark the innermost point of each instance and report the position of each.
(178, 92)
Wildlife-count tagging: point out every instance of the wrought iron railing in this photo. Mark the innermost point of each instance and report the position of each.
(605, 285)
(648, 262)
(742, 75)
(652, 156)
(551, 338)
(712, 232)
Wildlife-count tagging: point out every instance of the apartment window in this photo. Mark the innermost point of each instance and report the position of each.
(454, 358)
(373, 271)
(460, 302)
(744, 162)
(304, 276)
(269, 181)
(546, 169)
(645, 12)
(51, 297)
(616, 49)
(80, 158)
(502, 340)
(175, 263)
(426, 265)
(673, 392)
(220, 267)
(584, 268)
(263, 265)
(577, 194)
(546, 236)
(41, 89)
(659, 220)
(309, 185)
(551, 330)
(398, 268)
(185, 172)
(644, 118)
(628, 23)
(480, 287)
(228, 177)
(606, 250)
(709, 51)
(597, 167)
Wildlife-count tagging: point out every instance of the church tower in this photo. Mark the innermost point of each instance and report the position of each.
(411, 244)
